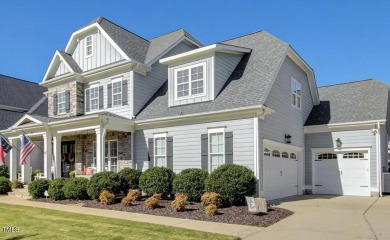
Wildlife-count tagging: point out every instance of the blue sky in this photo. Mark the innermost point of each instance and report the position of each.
(341, 40)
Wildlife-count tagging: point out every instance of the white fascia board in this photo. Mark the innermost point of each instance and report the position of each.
(281, 146)
(24, 118)
(342, 126)
(62, 79)
(57, 57)
(218, 47)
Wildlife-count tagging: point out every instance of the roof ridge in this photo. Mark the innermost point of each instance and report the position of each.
(166, 33)
(259, 31)
(19, 79)
(345, 83)
(103, 18)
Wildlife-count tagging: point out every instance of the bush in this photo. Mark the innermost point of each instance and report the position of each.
(5, 185)
(157, 180)
(76, 188)
(157, 196)
(56, 189)
(191, 183)
(180, 202)
(180, 195)
(106, 198)
(232, 182)
(211, 198)
(16, 184)
(152, 203)
(127, 201)
(33, 174)
(211, 210)
(38, 187)
(134, 193)
(72, 174)
(109, 181)
(129, 178)
(4, 171)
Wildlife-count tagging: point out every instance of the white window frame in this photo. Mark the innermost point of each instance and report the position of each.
(210, 132)
(115, 80)
(296, 95)
(86, 46)
(189, 67)
(109, 157)
(90, 98)
(59, 103)
(156, 136)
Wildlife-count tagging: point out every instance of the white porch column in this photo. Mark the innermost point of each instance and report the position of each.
(48, 155)
(26, 171)
(132, 150)
(13, 160)
(100, 140)
(57, 155)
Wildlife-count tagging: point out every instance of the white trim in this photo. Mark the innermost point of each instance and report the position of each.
(115, 80)
(93, 86)
(24, 118)
(57, 57)
(297, 96)
(256, 150)
(189, 68)
(58, 103)
(159, 135)
(78, 129)
(280, 145)
(109, 157)
(213, 131)
(86, 46)
(342, 126)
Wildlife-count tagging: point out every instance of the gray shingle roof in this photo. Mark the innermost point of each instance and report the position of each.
(350, 102)
(247, 86)
(71, 62)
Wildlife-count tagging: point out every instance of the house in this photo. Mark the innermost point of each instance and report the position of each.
(118, 100)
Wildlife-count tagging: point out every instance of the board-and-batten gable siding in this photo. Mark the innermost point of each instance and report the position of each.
(123, 110)
(384, 147)
(103, 53)
(224, 66)
(146, 86)
(187, 143)
(62, 69)
(349, 139)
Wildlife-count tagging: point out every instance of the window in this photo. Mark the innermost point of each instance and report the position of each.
(353, 155)
(267, 152)
(94, 155)
(216, 148)
(293, 156)
(111, 156)
(117, 92)
(296, 92)
(160, 150)
(275, 153)
(190, 81)
(284, 155)
(327, 156)
(88, 46)
(94, 98)
(61, 102)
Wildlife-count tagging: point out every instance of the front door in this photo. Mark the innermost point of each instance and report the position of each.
(68, 155)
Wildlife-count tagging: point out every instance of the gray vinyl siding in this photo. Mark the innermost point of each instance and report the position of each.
(384, 147)
(36, 157)
(224, 66)
(62, 69)
(349, 139)
(187, 143)
(103, 53)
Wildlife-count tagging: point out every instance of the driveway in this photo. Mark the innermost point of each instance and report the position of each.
(331, 217)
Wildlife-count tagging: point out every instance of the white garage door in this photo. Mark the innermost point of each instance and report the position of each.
(342, 174)
(280, 174)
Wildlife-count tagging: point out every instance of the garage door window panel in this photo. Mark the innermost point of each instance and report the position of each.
(267, 152)
(275, 153)
(353, 155)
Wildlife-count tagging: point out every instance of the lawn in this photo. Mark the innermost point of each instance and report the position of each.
(39, 223)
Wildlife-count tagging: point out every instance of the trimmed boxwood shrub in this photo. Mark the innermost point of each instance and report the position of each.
(232, 182)
(76, 188)
(38, 187)
(157, 180)
(5, 185)
(4, 171)
(56, 190)
(109, 181)
(191, 183)
(129, 179)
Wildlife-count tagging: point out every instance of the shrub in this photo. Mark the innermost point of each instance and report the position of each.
(129, 178)
(134, 193)
(76, 188)
(152, 203)
(180, 195)
(106, 198)
(211, 210)
(38, 187)
(232, 182)
(72, 174)
(56, 190)
(35, 172)
(157, 180)
(157, 196)
(5, 185)
(191, 183)
(180, 202)
(16, 184)
(109, 181)
(127, 201)
(4, 171)
(213, 198)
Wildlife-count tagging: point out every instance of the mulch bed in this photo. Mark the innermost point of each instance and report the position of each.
(233, 215)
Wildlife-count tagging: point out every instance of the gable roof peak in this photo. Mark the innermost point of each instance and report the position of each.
(353, 82)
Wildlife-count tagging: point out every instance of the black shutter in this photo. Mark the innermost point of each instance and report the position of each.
(87, 100)
(55, 104)
(101, 104)
(124, 92)
(170, 152)
(204, 151)
(109, 95)
(67, 100)
(229, 147)
(151, 152)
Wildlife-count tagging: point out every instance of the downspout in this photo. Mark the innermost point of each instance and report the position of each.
(379, 154)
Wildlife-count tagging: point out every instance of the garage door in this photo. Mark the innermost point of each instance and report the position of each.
(280, 174)
(342, 174)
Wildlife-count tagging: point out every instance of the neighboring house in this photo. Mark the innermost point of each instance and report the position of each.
(118, 100)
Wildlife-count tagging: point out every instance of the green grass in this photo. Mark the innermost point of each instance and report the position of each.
(39, 223)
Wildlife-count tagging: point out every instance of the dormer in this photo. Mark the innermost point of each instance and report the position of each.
(199, 75)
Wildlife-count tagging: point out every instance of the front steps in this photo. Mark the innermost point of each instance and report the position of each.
(20, 192)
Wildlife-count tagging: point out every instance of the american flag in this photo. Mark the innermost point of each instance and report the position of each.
(5, 147)
(26, 148)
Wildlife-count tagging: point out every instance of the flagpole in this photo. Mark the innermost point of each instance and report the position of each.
(9, 142)
(34, 142)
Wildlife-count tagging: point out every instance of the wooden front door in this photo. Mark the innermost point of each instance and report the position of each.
(68, 156)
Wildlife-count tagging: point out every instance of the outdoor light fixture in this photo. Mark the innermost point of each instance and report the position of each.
(287, 138)
(338, 143)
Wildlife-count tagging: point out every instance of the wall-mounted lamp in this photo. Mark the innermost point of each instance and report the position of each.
(287, 138)
(338, 143)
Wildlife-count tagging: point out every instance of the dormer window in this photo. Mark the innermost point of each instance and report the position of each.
(189, 81)
(88, 46)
